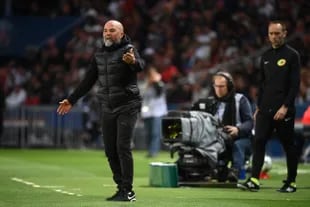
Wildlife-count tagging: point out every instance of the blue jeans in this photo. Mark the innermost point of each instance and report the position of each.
(240, 148)
(153, 134)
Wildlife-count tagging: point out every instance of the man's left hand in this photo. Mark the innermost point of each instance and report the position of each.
(129, 57)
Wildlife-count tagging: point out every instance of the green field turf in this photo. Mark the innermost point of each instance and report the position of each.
(36, 178)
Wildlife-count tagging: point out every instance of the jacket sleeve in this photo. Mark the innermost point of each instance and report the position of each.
(294, 80)
(246, 116)
(2, 99)
(261, 82)
(86, 84)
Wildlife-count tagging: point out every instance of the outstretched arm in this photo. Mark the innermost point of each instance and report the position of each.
(88, 81)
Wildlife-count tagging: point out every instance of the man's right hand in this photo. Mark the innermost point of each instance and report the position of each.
(64, 107)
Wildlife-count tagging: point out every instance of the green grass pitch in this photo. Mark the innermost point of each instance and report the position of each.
(76, 178)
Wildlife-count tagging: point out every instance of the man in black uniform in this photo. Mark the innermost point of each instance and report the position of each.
(279, 84)
(115, 66)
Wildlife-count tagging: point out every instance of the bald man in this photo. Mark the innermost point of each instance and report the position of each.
(115, 67)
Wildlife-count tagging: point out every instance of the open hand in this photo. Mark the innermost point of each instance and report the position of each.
(64, 107)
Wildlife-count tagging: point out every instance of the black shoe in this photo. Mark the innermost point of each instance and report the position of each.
(126, 196)
(130, 196)
(116, 195)
(249, 185)
(233, 175)
(288, 187)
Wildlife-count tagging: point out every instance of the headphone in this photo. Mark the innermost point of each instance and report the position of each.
(228, 77)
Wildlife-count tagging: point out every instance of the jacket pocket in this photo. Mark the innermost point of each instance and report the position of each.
(132, 90)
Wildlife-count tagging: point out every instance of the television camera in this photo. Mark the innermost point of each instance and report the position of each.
(199, 139)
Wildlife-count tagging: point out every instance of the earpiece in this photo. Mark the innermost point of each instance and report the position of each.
(228, 77)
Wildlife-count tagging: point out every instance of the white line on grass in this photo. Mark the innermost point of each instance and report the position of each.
(300, 171)
(54, 188)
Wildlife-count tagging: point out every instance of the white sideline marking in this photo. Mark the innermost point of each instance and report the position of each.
(54, 188)
(299, 171)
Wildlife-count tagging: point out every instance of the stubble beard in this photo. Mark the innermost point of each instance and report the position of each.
(277, 43)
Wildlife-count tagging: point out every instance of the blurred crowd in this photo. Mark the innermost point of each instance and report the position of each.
(186, 40)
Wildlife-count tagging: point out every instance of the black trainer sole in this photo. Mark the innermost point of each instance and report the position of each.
(242, 187)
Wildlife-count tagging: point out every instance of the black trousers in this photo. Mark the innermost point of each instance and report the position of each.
(1, 124)
(264, 127)
(117, 129)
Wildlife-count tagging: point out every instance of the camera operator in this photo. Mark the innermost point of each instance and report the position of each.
(234, 112)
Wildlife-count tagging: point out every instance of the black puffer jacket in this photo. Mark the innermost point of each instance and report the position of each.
(117, 80)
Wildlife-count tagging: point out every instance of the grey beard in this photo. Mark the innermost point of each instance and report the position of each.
(109, 43)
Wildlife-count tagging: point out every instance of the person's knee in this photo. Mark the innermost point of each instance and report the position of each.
(241, 144)
(124, 149)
